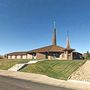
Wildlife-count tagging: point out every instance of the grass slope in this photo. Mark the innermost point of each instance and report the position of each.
(6, 64)
(56, 68)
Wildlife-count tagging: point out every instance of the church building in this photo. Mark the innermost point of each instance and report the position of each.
(50, 52)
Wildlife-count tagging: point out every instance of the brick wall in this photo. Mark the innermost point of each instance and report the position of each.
(40, 56)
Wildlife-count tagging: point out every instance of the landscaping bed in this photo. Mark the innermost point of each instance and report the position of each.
(59, 69)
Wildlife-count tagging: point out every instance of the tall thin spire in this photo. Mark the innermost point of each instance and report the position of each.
(67, 41)
(54, 42)
(54, 24)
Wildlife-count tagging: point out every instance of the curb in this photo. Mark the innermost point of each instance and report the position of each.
(46, 80)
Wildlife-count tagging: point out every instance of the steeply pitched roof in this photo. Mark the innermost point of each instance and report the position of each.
(67, 43)
(68, 46)
(51, 48)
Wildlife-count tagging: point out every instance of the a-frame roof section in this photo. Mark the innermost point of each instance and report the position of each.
(51, 48)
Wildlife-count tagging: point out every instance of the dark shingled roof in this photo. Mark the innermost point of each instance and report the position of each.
(51, 48)
(69, 49)
(17, 53)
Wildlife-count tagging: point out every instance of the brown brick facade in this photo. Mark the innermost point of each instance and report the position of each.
(40, 56)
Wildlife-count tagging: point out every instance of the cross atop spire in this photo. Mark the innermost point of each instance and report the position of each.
(67, 41)
(54, 35)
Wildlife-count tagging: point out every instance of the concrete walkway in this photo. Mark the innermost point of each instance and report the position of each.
(17, 67)
(76, 85)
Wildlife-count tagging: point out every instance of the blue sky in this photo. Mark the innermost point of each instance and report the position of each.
(28, 24)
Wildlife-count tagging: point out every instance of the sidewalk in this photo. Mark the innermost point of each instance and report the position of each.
(76, 85)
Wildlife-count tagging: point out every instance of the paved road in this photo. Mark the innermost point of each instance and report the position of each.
(7, 83)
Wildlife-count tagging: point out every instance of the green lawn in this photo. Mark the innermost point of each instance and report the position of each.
(6, 64)
(55, 68)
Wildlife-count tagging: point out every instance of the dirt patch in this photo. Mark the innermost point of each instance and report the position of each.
(83, 73)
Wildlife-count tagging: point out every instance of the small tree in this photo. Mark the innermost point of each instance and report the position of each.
(1, 57)
(87, 55)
